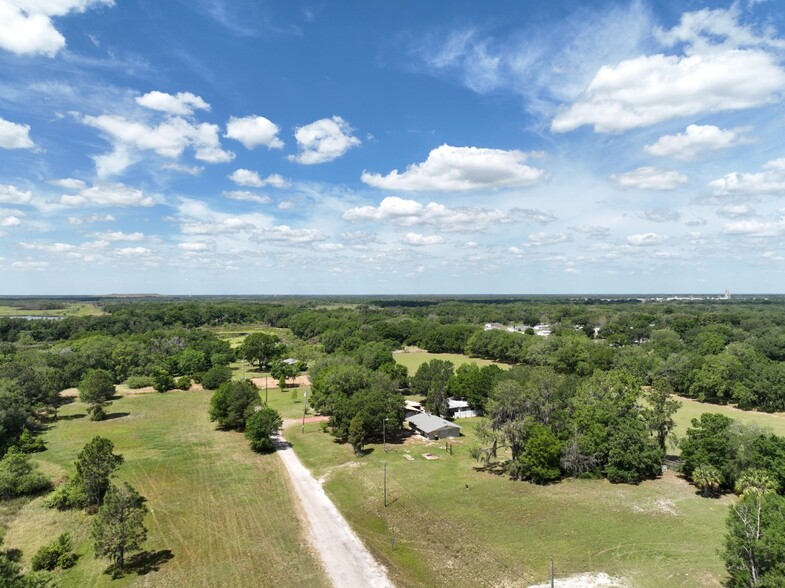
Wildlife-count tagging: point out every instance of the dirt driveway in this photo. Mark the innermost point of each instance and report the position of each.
(347, 562)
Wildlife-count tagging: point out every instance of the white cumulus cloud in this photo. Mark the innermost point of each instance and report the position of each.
(104, 194)
(168, 139)
(648, 178)
(418, 240)
(14, 135)
(592, 231)
(252, 179)
(26, 26)
(450, 168)
(770, 180)
(724, 67)
(735, 211)
(118, 236)
(133, 252)
(755, 228)
(12, 195)
(253, 131)
(646, 239)
(543, 239)
(48, 247)
(194, 246)
(182, 103)
(323, 140)
(404, 212)
(695, 142)
(69, 183)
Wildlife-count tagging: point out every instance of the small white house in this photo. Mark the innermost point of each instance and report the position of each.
(459, 409)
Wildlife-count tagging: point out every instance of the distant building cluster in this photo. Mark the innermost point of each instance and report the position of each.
(542, 330)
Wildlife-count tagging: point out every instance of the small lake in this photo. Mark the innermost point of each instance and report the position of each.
(30, 317)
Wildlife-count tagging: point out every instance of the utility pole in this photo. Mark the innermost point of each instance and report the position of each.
(305, 408)
(385, 484)
(265, 389)
(384, 433)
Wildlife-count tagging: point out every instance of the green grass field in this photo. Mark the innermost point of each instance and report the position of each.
(225, 513)
(692, 409)
(236, 335)
(72, 309)
(414, 359)
(448, 524)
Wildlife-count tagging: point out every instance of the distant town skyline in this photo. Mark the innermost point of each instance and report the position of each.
(245, 147)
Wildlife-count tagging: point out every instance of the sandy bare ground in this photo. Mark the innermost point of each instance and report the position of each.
(346, 560)
(298, 382)
(601, 580)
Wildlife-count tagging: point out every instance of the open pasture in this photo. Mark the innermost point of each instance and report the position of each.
(692, 409)
(414, 359)
(220, 515)
(449, 523)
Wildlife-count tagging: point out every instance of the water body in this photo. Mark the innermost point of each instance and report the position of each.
(30, 317)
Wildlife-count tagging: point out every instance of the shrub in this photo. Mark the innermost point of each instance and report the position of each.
(67, 495)
(19, 476)
(30, 443)
(136, 382)
(49, 556)
(183, 383)
(260, 426)
(216, 376)
(67, 560)
(163, 381)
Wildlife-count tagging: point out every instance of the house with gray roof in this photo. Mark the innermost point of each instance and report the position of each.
(433, 427)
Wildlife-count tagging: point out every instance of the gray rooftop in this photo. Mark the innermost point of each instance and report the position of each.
(429, 423)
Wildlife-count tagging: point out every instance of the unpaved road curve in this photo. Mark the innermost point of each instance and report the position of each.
(347, 562)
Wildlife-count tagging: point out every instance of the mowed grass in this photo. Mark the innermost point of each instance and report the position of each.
(449, 524)
(225, 513)
(414, 359)
(692, 409)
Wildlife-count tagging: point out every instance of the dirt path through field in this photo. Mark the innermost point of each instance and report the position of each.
(347, 562)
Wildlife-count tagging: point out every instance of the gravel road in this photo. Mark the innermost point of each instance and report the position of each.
(347, 562)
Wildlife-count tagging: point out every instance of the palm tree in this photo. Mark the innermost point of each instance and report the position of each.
(756, 481)
(707, 478)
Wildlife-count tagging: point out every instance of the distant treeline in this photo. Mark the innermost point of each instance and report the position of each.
(715, 351)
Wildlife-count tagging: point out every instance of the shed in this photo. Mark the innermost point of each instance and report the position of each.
(459, 409)
(412, 408)
(433, 427)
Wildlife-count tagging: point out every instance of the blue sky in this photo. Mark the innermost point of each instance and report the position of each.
(242, 147)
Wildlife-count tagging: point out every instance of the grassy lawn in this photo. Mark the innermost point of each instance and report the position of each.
(237, 335)
(448, 524)
(414, 359)
(692, 409)
(220, 515)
